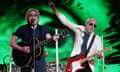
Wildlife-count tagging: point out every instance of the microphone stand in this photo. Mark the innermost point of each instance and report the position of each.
(33, 25)
(33, 69)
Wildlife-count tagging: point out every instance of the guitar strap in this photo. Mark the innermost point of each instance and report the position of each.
(71, 59)
(90, 45)
(87, 51)
(88, 69)
(40, 39)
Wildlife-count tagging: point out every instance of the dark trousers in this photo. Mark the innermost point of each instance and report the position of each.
(37, 69)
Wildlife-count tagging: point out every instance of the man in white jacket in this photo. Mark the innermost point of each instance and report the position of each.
(86, 44)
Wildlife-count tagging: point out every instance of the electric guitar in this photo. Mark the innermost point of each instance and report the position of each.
(75, 64)
(25, 59)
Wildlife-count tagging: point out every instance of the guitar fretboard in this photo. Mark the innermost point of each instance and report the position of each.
(43, 43)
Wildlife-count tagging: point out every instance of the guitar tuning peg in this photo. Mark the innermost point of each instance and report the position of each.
(64, 36)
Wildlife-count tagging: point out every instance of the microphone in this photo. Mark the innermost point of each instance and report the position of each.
(32, 21)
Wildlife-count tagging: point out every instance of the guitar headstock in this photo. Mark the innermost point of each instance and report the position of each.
(106, 49)
(63, 33)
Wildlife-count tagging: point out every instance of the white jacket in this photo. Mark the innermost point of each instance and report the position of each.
(78, 30)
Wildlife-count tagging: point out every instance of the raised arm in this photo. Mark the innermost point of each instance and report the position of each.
(53, 7)
(61, 17)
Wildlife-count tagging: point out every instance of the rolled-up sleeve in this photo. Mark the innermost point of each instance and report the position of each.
(99, 45)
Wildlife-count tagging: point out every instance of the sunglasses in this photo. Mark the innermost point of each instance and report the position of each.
(91, 24)
(33, 15)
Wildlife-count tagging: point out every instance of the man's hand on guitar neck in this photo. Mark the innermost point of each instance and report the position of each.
(99, 56)
(55, 37)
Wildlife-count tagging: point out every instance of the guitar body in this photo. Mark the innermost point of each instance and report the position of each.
(25, 59)
(77, 66)
(74, 64)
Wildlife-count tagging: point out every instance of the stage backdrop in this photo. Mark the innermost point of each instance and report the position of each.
(106, 12)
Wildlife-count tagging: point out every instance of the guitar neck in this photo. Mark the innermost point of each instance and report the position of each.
(43, 42)
(48, 40)
(88, 58)
(91, 56)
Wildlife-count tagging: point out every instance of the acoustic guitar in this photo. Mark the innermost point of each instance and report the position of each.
(25, 59)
